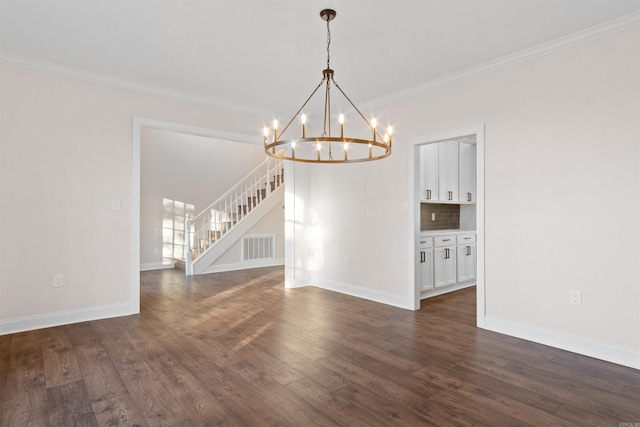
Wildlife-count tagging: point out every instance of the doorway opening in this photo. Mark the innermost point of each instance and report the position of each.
(462, 213)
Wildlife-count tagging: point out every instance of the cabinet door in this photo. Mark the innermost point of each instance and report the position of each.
(429, 172)
(444, 266)
(467, 164)
(426, 269)
(466, 262)
(448, 171)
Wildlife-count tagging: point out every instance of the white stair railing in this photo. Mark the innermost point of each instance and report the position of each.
(221, 216)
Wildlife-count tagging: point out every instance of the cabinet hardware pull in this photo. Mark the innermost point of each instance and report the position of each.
(466, 238)
(422, 257)
(468, 197)
(445, 240)
(450, 195)
(446, 253)
(468, 250)
(423, 241)
(428, 194)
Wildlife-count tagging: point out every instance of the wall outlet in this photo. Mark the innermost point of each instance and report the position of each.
(115, 204)
(575, 297)
(346, 261)
(405, 207)
(433, 216)
(58, 280)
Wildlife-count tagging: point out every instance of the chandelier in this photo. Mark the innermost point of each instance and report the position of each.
(327, 148)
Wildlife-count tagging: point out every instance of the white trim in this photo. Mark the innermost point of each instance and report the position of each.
(414, 213)
(364, 293)
(92, 77)
(576, 344)
(301, 282)
(156, 265)
(29, 323)
(245, 265)
(197, 131)
(610, 27)
(136, 135)
(289, 226)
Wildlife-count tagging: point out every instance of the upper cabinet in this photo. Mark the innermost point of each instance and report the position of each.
(448, 172)
(467, 166)
(429, 172)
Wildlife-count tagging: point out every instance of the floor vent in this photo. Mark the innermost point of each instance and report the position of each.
(258, 247)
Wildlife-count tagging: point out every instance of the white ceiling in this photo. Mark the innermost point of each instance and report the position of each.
(266, 56)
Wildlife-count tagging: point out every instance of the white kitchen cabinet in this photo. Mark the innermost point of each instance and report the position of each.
(429, 172)
(448, 171)
(467, 167)
(426, 264)
(466, 248)
(466, 262)
(444, 261)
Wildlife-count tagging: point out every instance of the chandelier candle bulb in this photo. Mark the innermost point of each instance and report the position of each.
(266, 135)
(275, 130)
(293, 149)
(341, 120)
(303, 119)
(390, 132)
(346, 151)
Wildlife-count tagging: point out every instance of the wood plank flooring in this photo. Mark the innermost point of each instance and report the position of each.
(238, 349)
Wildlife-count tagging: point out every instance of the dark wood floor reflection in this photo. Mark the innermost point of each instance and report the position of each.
(238, 349)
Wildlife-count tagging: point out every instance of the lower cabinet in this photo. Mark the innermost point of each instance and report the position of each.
(444, 261)
(426, 264)
(447, 260)
(466, 257)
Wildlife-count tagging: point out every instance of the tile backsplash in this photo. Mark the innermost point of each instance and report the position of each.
(447, 216)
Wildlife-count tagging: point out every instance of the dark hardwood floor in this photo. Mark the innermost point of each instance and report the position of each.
(238, 349)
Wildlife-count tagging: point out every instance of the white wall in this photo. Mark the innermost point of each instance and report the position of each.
(562, 198)
(66, 152)
(187, 168)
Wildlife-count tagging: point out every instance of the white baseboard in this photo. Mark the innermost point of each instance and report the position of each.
(155, 266)
(576, 344)
(301, 282)
(29, 323)
(243, 265)
(368, 294)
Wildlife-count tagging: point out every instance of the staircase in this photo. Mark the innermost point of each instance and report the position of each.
(222, 223)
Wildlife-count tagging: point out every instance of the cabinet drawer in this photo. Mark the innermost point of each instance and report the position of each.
(444, 240)
(426, 242)
(464, 239)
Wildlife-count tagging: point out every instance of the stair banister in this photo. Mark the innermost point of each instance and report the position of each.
(232, 207)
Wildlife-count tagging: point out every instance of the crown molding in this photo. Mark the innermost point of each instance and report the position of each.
(51, 68)
(610, 27)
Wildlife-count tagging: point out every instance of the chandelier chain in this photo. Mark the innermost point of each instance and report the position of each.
(328, 43)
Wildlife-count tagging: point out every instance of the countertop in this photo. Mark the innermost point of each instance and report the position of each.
(443, 232)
